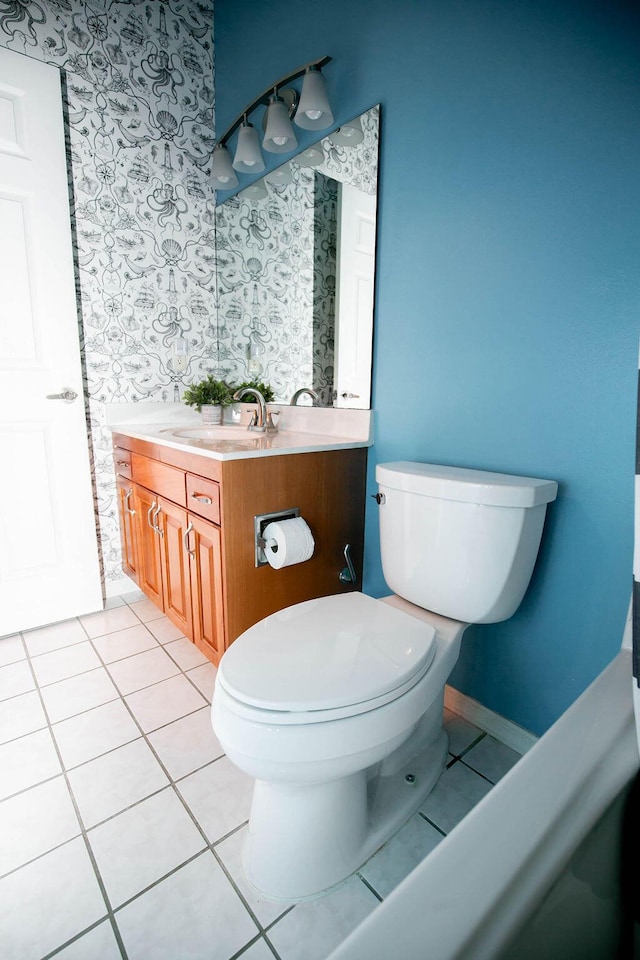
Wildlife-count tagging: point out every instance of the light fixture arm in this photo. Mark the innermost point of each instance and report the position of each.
(264, 97)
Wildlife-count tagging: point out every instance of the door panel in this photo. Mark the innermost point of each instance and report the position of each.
(206, 586)
(49, 566)
(172, 520)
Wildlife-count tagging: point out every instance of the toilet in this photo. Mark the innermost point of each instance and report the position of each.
(334, 706)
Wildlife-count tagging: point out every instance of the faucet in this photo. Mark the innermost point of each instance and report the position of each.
(300, 392)
(262, 421)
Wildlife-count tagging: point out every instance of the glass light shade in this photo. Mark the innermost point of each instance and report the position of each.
(278, 135)
(255, 191)
(314, 111)
(248, 158)
(312, 157)
(222, 173)
(280, 177)
(349, 134)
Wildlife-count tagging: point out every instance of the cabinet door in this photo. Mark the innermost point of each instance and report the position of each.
(149, 545)
(206, 587)
(128, 528)
(172, 521)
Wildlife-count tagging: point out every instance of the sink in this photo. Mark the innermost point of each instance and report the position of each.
(212, 434)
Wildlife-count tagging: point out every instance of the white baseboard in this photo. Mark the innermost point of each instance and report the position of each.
(492, 723)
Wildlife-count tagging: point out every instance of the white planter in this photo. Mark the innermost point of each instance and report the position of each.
(211, 413)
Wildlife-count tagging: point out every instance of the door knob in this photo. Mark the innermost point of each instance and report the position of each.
(68, 395)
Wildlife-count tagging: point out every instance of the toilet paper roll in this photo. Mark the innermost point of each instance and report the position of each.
(288, 542)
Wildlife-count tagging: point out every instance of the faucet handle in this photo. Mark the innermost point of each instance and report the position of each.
(253, 422)
(270, 425)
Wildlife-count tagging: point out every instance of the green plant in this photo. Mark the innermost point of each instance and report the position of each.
(208, 392)
(264, 388)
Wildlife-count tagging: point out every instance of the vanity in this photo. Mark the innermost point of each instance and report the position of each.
(188, 500)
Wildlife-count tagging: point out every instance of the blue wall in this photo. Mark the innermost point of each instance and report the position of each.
(507, 297)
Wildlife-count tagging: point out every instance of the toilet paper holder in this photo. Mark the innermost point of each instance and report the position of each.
(260, 521)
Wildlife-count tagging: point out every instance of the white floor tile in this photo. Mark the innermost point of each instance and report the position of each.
(187, 744)
(142, 844)
(164, 702)
(108, 621)
(93, 733)
(313, 929)
(133, 596)
(142, 670)
(185, 653)
(48, 902)
(145, 610)
(230, 852)
(15, 678)
(195, 913)
(35, 822)
(109, 784)
(26, 762)
(124, 643)
(99, 944)
(219, 796)
(400, 855)
(164, 630)
(54, 637)
(77, 694)
(11, 650)
(68, 662)
(21, 715)
(491, 758)
(456, 792)
(204, 678)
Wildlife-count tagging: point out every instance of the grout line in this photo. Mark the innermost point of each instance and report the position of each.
(370, 887)
(431, 823)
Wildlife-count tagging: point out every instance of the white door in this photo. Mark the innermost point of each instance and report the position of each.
(48, 549)
(354, 310)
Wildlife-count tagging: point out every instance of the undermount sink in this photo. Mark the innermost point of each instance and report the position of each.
(213, 433)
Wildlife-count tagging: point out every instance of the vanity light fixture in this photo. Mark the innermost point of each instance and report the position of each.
(255, 191)
(280, 177)
(222, 172)
(312, 157)
(314, 111)
(310, 111)
(349, 134)
(248, 158)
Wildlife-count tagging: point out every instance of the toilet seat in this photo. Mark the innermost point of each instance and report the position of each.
(344, 655)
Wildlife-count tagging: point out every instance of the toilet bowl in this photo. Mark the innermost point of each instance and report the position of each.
(334, 706)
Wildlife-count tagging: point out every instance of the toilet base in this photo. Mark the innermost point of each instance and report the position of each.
(305, 838)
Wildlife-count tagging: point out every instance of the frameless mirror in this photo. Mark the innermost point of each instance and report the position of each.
(295, 264)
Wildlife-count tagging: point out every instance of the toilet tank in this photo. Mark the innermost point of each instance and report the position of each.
(459, 542)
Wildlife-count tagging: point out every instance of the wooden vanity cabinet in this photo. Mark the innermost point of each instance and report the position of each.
(190, 540)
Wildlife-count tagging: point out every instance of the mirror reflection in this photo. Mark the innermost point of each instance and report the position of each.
(295, 258)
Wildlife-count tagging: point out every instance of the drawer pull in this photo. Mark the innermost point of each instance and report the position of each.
(123, 463)
(201, 498)
(154, 524)
(127, 504)
(192, 553)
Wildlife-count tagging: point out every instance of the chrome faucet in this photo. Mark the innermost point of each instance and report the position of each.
(262, 421)
(299, 393)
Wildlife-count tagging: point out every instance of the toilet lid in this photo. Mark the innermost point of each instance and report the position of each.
(327, 653)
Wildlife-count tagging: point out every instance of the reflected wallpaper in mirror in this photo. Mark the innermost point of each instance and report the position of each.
(282, 318)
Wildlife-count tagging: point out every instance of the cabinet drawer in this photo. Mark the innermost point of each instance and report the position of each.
(159, 477)
(203, 497)
(122, 461)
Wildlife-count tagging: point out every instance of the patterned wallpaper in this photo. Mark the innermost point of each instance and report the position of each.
(140, 101)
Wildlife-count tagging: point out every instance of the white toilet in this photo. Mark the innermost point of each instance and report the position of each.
(334, 706)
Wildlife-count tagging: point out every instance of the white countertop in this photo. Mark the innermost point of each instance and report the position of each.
(300, 430)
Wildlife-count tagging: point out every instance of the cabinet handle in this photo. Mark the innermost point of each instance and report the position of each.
(123, 463)
(154, 524)
(126, 502)
(201, 498)
(149, 517)
(191, 553)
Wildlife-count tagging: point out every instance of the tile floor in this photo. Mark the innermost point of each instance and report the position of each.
(122, 822)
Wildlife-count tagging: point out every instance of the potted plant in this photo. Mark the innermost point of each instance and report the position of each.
(209, 397)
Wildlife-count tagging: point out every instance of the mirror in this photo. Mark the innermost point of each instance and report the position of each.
(295, 263)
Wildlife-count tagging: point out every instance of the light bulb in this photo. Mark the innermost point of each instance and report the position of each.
(280, 140)
(313, 114)
(224, 179)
